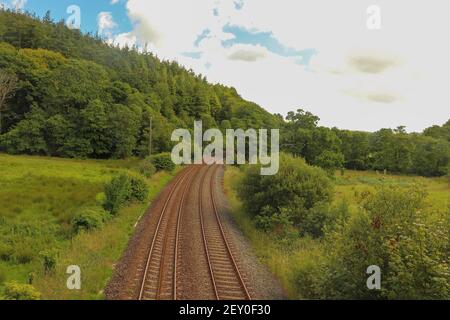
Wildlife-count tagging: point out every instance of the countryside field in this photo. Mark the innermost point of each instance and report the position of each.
(294, 260)
(39, 198)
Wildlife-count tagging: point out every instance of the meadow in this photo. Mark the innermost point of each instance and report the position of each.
(285, 258)
(39, 198)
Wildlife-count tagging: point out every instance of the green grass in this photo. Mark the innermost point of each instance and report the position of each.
(38, 199)
(284, 260)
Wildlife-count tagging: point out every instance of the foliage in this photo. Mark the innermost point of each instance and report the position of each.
(17, 291)
(395, 150)
(147, 169)
(139, 189)
(122, 189)
(49, 259)
(291, 194)
(84, 98)
(393, 231)
(334, 266)
(163, 162)
(89, 219)
(117, 193)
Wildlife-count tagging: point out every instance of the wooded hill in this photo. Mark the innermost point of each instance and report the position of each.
(80, 97)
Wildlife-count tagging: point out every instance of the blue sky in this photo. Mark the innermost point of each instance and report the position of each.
(89, 12)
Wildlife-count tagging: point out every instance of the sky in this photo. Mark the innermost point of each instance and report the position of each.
(357, 64)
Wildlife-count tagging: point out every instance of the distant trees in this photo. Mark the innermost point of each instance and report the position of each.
(395, 150)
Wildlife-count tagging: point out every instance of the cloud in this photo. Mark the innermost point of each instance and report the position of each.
(247, 53)
(371, 64)
(106, 23)
(13, 4)
(381, 97)
(357, 78)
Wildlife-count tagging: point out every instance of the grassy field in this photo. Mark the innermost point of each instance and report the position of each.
(282, 259)
(38, 199)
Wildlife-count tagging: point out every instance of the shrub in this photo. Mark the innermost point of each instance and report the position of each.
(139, 189)
(17, 291)
(123, 189)
(296, 189)
(117, 193)
(89, 219)
(163, 161)
(146, 168)
(49, 260)
(393, 230)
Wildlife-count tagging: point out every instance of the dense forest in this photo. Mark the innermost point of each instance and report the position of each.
(80, 97)
(74, 95)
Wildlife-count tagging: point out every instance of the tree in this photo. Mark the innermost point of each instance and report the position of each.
(8, 85)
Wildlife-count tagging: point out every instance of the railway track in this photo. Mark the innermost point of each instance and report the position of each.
(226, 278)
(159, 278)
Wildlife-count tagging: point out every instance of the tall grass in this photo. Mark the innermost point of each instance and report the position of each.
(39, 197)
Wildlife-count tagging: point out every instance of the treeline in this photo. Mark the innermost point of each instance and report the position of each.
(426, 153)
(79, 97)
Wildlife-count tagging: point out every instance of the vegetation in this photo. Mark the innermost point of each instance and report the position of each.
(399, 223)
(162, 162)
(71, 95)
(52, 217)
(396, 151)
(298, 196)
(79, 97)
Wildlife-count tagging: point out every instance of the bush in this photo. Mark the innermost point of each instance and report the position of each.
(139, 189)
(123, 189)
(49, 259)
(163, 161)
(394, 231)
(117, 193)
(296, 189)
(17, 291)
(89, 219)
(146, 168)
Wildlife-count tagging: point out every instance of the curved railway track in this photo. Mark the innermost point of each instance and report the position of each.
(159, 278)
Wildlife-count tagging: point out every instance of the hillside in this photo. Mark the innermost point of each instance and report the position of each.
(80, 97)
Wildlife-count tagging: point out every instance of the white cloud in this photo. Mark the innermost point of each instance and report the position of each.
(359, 79)
(106, 23)
(13, 4)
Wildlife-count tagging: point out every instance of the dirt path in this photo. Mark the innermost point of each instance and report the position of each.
(188, 247)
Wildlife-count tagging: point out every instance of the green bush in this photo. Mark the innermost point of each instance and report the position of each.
(123, 189)
(290, 194)
(117, 193)
(146, 168)
(89, 219)
(394, 231)
(139, 189)
(17, 291)
(163, 161)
